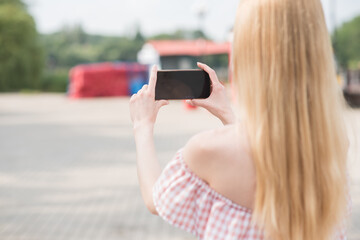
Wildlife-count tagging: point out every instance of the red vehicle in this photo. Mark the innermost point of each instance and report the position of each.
(106, 79)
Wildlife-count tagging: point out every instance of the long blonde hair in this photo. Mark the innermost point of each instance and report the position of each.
(285, 79)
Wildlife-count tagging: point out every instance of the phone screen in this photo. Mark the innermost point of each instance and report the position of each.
(182, 84)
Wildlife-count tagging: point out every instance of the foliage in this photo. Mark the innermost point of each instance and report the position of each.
(220, 60)
(55, 80)
(180, 34)
(72, 46)
(18, 3)
(346, 40)
(21, 58)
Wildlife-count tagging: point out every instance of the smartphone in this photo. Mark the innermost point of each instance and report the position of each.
(182, 84)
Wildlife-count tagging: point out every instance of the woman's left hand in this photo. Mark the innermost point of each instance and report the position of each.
(143, 106)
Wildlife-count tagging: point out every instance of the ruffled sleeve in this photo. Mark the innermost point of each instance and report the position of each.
(185, 201)
(175, 194)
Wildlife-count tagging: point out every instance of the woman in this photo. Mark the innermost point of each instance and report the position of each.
(279, 170)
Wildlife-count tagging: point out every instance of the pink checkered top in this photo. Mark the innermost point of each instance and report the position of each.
(187, 202)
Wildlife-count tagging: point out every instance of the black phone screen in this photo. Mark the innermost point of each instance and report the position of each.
(182, 84)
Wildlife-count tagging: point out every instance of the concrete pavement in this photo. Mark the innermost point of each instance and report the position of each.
(67, 168)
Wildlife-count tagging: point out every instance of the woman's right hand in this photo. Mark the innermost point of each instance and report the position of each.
(217, 103)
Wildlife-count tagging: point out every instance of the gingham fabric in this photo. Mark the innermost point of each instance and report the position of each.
(187, 202)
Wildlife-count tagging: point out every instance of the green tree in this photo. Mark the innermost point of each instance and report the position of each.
(119, 49)
(72, 46)
(13, 2)
(346, 41)
(21, 58)
(180, 34)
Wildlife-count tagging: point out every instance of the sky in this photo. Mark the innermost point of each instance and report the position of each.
(121, 17)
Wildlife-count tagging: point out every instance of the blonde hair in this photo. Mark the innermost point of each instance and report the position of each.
(285, 79)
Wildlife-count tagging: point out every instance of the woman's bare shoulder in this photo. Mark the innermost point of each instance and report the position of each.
(208, 151)
(221, 158)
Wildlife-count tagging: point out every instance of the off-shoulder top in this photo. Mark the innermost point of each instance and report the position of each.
(185, 201)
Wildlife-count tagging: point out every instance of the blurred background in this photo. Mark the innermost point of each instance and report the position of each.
(67, 69)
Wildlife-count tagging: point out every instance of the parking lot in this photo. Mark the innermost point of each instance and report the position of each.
(68, 170)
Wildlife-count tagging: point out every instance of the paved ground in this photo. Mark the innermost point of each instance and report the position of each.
(67, 168)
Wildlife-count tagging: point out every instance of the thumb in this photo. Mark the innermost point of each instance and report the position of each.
(194, 102)
(190, 102)
(161, 103)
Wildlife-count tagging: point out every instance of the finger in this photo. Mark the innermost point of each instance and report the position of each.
(132, 97)
(161, 103)
(153, 77)
(207, 69)
(210, 71)
(196, 102)
(190, 102)
(144, 87)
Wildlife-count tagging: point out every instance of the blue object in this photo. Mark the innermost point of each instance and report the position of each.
(136, 84)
